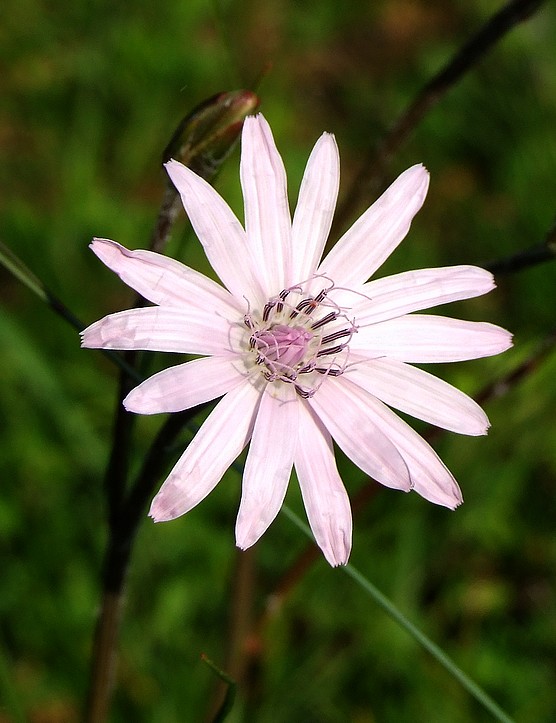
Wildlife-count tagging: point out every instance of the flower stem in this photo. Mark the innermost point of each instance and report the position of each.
(447, 663)
(372, 172)
(104, 657)
(12, 263)
(392, 611)
(545, 251)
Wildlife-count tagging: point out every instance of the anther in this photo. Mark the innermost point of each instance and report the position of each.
(332, 350)
(304, 393)
(336, 335)
(329, 371)
(332, 316)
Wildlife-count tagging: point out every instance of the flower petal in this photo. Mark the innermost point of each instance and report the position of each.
(268, 465)
(219, 231)
(344, 410)
(216, 445)
(315, 207)
(429, 476)
(185, 385)
(422, 338)
(159, 328)
(374, 235)
(415, 290)
(420, 394)
(324, 495)
(267, 214)
(165, 281)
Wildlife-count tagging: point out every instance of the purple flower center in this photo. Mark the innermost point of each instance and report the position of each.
(288, 338)
(281, 348)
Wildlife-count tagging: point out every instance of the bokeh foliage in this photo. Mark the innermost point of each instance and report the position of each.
(91, 93)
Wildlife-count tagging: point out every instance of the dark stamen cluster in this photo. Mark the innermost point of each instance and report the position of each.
(286, 351)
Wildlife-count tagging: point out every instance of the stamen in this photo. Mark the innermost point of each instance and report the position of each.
(267, 309)
(309, 302)
(304, 393)
(332, 316)
(332, 350)
(330, 371)
(337, 335)
(283, 350)
(283, 294)
(321, 296)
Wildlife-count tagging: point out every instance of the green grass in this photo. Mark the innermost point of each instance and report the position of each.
(91, 93)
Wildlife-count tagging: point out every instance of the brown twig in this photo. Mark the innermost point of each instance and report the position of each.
(545, 251)
(372, 173)
(240, 624)
(123, 525)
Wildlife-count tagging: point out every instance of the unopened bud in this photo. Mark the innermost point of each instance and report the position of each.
(206, 136)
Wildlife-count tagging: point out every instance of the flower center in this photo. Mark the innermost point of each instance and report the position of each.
(299, 338)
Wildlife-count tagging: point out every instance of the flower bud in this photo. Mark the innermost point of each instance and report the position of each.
(206, 136)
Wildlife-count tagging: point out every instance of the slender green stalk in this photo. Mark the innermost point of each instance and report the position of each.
(229, 697)
(393, 612)
(22, 273)
(440, 656)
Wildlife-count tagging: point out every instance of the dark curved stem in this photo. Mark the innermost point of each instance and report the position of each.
(539, 254)
(372, 173)
(124, 522)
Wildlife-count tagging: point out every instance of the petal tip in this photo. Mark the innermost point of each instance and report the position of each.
(169, 502)
(132, 402)
(243, 544)
(90, 337)
(105, 249)
(159, 513)
(172, 163)
(339, 560)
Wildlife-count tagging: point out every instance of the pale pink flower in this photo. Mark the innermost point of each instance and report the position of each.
(302, 351)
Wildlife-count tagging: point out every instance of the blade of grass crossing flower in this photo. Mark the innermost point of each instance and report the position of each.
(22, 273)
(392, 611)
(17, 268)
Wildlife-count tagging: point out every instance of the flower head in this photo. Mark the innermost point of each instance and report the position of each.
(302, 351)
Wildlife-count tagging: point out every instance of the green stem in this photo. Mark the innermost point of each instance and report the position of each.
(393, 612)
(22, 273)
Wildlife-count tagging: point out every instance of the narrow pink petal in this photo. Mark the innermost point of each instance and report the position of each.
(219, 231)
(420, 394)
(268, 465)
(185, 385)
(344, 410)
(159, 328)
(315, 207)
(267, 214)
(165, 281)
(429, 476)
(374, 236)
(415, 290)
(422, 338)
(216, 445)
(324, 494)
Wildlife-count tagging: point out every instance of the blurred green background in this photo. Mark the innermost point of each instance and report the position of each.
(90, 93)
